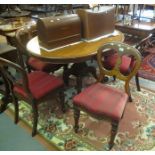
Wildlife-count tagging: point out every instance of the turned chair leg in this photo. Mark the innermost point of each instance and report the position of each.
(4, 104)
(35, 119)
(15, 100)
(127, 90)
(62, 100)
(76, 119)
(92, 70)
(79, 83)
(7, 97)
(137, 82)
(113, 133)
(114, 78)
(28, 69)
(130, 98)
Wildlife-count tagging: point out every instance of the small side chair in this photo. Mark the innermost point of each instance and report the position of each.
(34, 88)
(103, 101)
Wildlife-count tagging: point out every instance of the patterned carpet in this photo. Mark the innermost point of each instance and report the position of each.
(147, 69)
(136, 130)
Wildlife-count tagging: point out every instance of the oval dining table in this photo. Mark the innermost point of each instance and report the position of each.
(77, 53)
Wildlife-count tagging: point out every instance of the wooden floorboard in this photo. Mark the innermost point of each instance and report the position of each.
(44, 142)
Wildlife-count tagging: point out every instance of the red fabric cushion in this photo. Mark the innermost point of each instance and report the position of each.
(41, 65)
(100, 99)
(40, 84)
(110, 62)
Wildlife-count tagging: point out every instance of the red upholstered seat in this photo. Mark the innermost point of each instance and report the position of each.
(102, 100)
(110, 62)
(41, 65)
(40, 83)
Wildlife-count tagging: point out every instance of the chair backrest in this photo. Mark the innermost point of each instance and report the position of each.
(121, 49)
(23, 35)
(12, 79)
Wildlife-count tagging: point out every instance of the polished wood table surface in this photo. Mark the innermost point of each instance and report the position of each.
(78, 52)
(139, 28)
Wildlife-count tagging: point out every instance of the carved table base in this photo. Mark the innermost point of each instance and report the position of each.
(79, 70)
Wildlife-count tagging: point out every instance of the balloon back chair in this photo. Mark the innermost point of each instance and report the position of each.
(34, 88)
(103, 101)
(23, 35)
